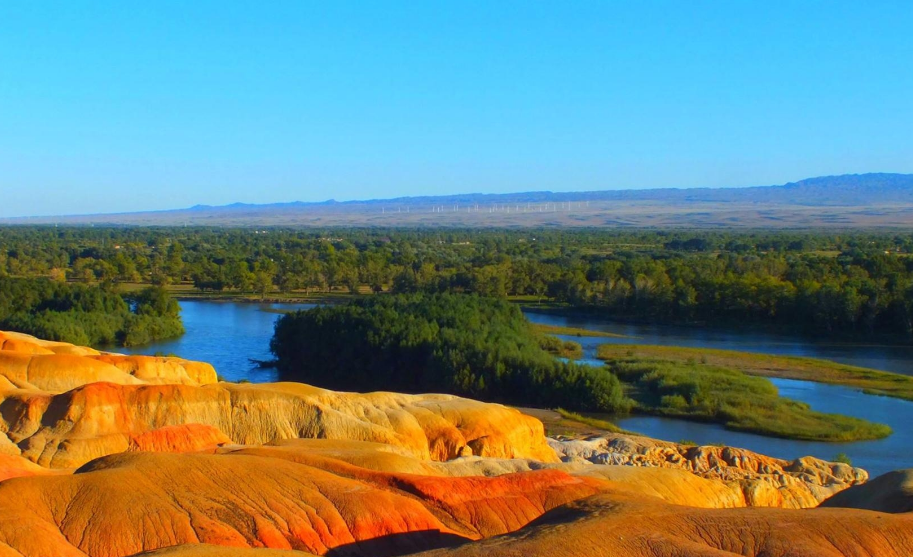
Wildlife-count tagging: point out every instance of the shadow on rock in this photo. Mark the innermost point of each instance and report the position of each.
(398, 544)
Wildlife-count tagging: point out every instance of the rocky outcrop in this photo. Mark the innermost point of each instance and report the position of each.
(889, 493)
(265, 497)
(62, 410)
(757, 480)
(69, 429)
(320, 496)
(613, 525)
(33, 364)
(27, 344)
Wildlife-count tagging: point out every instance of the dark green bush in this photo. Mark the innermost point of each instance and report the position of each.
(562, 348)
(460, 344)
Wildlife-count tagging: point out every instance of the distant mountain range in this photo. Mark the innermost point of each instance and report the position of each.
(852, 200)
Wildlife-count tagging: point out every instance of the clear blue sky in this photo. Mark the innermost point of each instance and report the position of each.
(121, 106)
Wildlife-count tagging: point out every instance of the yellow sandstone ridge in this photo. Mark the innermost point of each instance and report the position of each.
(69, 429)
(30, 363)
(63, 410)
(27, 344)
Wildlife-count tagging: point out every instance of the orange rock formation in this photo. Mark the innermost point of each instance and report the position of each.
(109, 456)
(890, 493)
(625, 526)
(128, 503)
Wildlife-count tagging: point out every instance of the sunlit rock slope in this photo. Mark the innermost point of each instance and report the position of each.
(108, 455)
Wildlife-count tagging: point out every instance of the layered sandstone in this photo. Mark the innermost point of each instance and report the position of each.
(323, 496)
(67, 430)
(757, 480)
(29, 363)
(265, 497)
(62, 410)
(890, 493)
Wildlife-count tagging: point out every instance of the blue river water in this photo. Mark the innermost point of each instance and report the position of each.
(226, 334)
(229, 335)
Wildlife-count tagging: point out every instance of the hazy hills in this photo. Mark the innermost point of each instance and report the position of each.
(854, 200)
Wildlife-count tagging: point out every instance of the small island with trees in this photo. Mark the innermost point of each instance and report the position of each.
(485, 348)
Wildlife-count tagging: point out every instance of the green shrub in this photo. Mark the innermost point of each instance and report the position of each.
(562, 348)
(674, 402)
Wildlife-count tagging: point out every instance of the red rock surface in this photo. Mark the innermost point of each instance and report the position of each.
(178, 439)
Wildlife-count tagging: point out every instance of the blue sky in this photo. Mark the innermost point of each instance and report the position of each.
(124, 106)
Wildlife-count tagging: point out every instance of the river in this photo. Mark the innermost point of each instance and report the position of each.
(895, 358)
(229, 335)
(226, 334)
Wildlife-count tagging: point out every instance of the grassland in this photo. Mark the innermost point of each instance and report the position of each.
(596, 423)
(572, 424)
(738, 401)
(787, 367)
(561, 348)
(573, 331)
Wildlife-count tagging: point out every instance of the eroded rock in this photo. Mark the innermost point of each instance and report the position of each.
(760, 481)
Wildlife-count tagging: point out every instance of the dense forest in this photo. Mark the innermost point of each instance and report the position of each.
(853, 282)
(88, 315)
(460, 344)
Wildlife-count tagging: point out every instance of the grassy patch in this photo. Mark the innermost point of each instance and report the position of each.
(704, 392)
(573, 331)
(561, 348)
(843, 458)
(787, 367)
(588, 421)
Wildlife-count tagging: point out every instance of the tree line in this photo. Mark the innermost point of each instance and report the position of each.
(859, 282)
(91, 315)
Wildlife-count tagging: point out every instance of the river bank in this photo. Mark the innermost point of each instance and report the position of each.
(229, 335)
